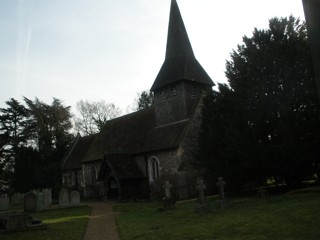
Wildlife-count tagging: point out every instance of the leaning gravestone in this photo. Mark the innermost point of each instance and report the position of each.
(74, 197)
(202, 206)
(4, 202)
(30, 202)
(220, 184)
(64, 197)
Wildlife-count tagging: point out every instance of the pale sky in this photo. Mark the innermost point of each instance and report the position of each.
(111, 49)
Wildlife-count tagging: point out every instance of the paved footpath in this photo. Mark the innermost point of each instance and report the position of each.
(101, 225)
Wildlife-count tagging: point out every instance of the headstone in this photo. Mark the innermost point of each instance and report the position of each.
(263, 193)
(64, 197)
(220, 184)
(168, 200)
(40, 198)
(13, 221)
(182, 189)
(167, 189)
(17, 198)
(74, 197)
(202, 206)
(30, 202)
(4, 202)
(201, 187)
(47, 197)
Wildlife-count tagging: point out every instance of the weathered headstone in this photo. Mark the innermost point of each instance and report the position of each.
(46, 197)
(202, 206)
(220, 184)
(4, 202)
(12, 221)
(168, 200)
(262, 193)
(167, 189)
(182, 189)
(201, 187)
(74, 197)
(64, 197)
(30, 202)
(17, 198)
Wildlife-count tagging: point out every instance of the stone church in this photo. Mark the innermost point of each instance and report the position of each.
(132, 152)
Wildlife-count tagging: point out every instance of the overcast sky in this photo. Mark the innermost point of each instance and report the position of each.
(112, 49)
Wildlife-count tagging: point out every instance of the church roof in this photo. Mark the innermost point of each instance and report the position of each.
(180, 62)
(135, 133)
(77, 152)
(122, 167)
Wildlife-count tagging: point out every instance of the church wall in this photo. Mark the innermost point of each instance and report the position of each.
(168, 162)
(92, 188)
(141, 163)
(190, 144)
(170, 104)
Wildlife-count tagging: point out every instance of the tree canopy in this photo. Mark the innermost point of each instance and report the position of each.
(33, 140)
(266, 123)
(94, 115)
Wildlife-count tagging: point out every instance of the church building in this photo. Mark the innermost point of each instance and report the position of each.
(134, 151)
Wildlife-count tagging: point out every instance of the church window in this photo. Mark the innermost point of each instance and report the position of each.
(93, 175)
(162, 95)
(193, 92)
(174, 91)
(153, 169)
(79, 178)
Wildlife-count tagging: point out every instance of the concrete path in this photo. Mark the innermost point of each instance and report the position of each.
(101, 225)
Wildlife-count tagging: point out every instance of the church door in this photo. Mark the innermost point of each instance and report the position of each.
(112, 188)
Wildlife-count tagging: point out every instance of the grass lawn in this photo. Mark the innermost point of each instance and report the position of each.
(63, 224)
(289, 216)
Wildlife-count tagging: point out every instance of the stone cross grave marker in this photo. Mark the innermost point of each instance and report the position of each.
(201, 187)
(74, 197)
(167, 189)
(220, 185)
(4, 202)
(30, 202)
(64, 197)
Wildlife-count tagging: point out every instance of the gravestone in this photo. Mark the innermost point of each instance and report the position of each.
(40, 197)
(30, 202)
(17, 198)
(220, 184)
(202, 206)
(168, 200)
(46, 197)
(12, 221)
(167, 189)
(74, 197)
(263, 193)
(64, 197)
(4, 202)
(182, 189)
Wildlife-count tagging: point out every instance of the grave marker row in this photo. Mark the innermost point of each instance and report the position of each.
(66, 198)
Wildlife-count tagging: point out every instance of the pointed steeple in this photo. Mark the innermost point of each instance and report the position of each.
(178, 43)
(180, 62)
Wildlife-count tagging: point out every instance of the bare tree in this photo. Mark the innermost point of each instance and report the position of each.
(94, 115)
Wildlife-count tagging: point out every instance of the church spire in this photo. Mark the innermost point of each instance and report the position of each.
(180, 62)
(178, 43)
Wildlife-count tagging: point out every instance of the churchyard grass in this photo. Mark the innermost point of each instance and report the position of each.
(63, 224)
(289, 216)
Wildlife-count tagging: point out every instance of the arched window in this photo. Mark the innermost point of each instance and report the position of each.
(93, 175)
(153, 169)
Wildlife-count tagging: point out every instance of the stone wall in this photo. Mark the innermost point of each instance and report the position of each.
(189, 147)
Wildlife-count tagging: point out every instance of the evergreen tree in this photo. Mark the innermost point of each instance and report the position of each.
(266, 123)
